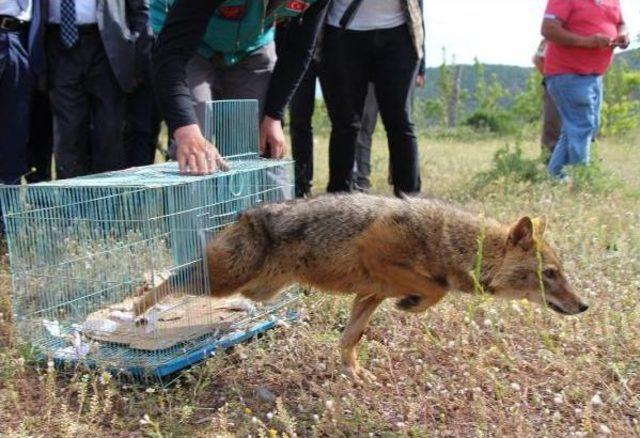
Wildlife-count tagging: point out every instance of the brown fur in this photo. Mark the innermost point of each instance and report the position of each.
(415, 250)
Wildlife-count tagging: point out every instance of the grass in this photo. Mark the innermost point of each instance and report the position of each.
(470, 366)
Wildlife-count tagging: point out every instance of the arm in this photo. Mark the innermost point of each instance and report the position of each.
(177, 43)
(622, 39)
(420, 80)
(553, 31)
(538, 62)
(294, 56)
(538, 57)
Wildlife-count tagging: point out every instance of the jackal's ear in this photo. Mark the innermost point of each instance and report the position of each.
(539, 226)
(521, 233)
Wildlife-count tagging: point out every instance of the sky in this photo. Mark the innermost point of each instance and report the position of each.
(495, 31)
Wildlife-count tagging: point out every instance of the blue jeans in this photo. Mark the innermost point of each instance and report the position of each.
(579, 101)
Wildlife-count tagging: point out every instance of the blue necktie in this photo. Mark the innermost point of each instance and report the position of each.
(68, 27)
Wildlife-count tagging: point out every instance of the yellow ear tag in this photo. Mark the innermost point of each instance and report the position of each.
(539, 225)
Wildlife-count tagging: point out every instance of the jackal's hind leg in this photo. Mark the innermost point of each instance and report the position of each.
(363, 308)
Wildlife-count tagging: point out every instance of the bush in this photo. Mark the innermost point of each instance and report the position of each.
(510, 166)
(593, 178)
(497, 122)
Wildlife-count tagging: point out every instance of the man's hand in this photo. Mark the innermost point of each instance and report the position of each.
(596, 41)
(195, 155)
(622, 40)
(271, 138)
(420, 80)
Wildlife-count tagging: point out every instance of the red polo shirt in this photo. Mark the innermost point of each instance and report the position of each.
(585, 18)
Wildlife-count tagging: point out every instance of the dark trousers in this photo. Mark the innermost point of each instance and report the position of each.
(352, 59)
(301, 111)
(142, 126)
(362, 164)
(16, 86)
(85, 96)
(40, 146)
(551, 124)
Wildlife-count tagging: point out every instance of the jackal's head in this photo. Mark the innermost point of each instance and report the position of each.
(530, 269)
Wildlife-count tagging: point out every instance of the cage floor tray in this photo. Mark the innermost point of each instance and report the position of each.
(175, 320)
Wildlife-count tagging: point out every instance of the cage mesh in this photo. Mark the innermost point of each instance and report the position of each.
(86, 245)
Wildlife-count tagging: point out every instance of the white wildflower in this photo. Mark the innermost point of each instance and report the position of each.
(596, 400)
(603, 428)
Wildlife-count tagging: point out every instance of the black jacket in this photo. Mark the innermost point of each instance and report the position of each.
(179, 39)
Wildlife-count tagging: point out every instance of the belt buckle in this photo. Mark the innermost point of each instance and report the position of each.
(3, 21)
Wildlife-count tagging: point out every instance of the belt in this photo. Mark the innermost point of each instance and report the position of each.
(12, 24)
(82, 28)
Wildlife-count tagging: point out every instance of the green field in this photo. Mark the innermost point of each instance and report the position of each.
(470, 366)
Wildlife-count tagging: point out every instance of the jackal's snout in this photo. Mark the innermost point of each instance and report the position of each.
(566, 302)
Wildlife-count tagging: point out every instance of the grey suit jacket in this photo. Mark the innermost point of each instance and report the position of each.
(127, 37)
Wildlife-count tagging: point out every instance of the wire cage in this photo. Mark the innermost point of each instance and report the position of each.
(81, 250)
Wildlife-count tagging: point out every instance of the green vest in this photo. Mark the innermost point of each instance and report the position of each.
(237, 27)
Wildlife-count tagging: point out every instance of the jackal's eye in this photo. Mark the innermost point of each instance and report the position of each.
(550, 273)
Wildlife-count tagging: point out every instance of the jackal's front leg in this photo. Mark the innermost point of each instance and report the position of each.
(363, 308)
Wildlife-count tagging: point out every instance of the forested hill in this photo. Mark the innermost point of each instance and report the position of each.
(512, 78)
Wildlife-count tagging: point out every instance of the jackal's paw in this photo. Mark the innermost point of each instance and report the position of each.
(359, 376)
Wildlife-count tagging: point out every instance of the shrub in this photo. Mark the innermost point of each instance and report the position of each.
(510, 166)
(497, 122)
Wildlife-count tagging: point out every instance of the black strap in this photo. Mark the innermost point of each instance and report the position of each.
(349, 13)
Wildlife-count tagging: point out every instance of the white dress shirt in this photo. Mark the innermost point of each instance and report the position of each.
(12, 8)
(370, 15)
(85, 11)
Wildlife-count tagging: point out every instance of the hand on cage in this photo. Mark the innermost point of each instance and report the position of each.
(195, 155)
(271, 138)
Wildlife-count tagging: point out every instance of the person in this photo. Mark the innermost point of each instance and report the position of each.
(214, 73)
(581, 36)
(40, 145)
(361, 181)
(22, 62)
(377, 41)
(301, 109)
(142, 118)
(93, 48)
(362, 163)
(225, 34)
(551, 123)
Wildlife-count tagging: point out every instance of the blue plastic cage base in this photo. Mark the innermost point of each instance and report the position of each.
(159, 366)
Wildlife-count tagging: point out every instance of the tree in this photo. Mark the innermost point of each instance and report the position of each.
(450, 89)
(621, 107)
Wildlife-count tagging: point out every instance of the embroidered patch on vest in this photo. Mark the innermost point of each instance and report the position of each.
(297, 5)
(233, 13)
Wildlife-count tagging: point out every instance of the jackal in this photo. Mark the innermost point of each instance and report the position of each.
(415, 250)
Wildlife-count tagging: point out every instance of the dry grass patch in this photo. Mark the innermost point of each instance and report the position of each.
(470, 366)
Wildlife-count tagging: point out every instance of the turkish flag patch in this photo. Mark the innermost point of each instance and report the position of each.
(233, 13)
(297, 5)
